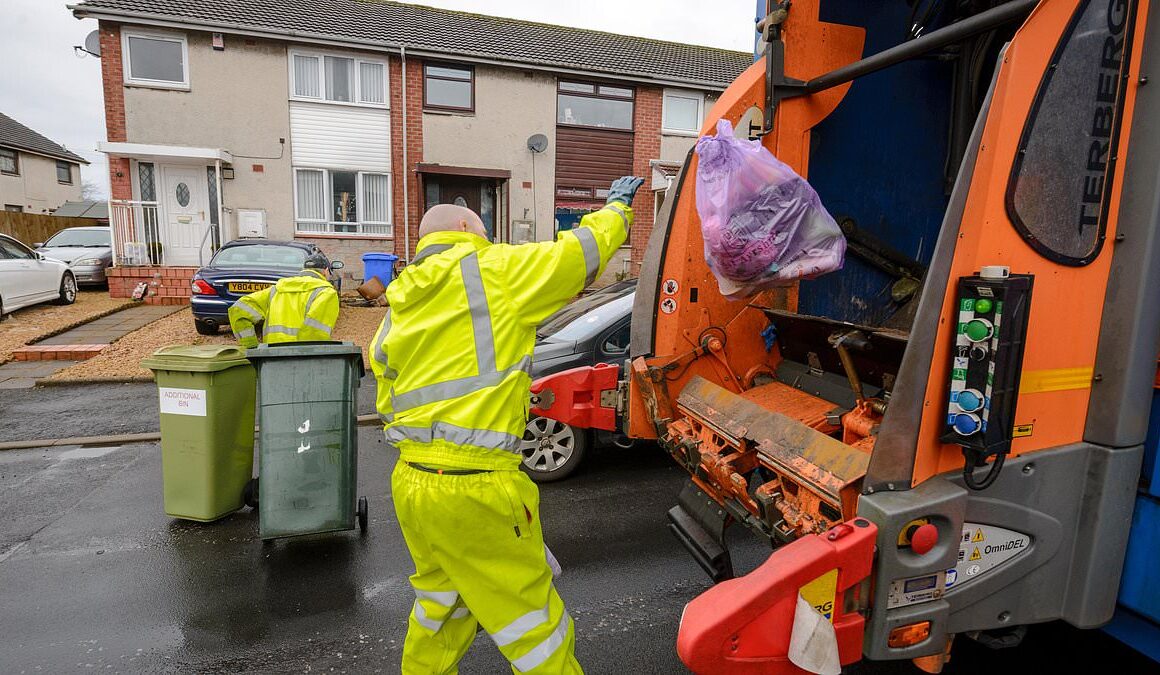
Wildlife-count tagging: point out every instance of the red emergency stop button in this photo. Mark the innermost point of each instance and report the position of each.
(924, 538)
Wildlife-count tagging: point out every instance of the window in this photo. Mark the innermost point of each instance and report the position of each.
(156, 59)
(682, 112)
(594, 105)
(14, 208)
(9, 162)
(14, 251)
(449, 87)
(64, 173)
(330, 201)
(340, 79)
(1057, 196)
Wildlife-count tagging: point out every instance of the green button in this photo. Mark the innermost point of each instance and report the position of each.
(978, 330)
(982, 305)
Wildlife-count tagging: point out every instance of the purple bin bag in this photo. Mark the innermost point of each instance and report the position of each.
(763, 224)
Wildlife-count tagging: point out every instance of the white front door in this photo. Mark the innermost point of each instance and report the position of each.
(185, 199)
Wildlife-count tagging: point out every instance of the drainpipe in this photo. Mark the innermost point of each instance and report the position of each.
(406, 169)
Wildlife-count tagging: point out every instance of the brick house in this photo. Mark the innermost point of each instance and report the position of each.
(341, 122)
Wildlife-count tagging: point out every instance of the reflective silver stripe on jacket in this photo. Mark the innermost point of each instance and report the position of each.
(427, 252)
(591, 253)
(480, 315)
(254, 313)
(270, 300)
(543, 651)
(245, 333)
(317, 325)
(481, 438)
(313, 297)
(442, 391)
(380, 353)
(285, 330)
(623, 216)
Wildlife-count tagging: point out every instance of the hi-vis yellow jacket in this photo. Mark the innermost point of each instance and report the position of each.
(452, 354)
(296, 309)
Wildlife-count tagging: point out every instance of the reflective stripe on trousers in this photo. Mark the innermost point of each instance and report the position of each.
(526, 624)
(447, 600)
(482, 438)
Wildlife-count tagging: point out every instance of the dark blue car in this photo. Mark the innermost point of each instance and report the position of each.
(244, 266)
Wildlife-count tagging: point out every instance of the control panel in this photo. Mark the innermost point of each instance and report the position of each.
(991, 315)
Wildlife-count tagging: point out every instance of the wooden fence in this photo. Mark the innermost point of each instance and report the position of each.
(31, 228)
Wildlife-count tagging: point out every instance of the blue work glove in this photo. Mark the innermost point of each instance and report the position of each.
(624, 189)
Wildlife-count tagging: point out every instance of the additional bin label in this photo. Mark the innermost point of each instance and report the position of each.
(176, 401)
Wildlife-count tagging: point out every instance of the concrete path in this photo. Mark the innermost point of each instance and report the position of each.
(24, 374)
(108, 329)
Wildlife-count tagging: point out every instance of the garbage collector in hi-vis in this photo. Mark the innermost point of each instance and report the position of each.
(296, 309)
(452, 357)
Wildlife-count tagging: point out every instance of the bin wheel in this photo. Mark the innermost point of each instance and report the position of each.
(250, 493)
(362, 514)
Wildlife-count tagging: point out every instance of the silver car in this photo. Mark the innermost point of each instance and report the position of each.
(87, 250)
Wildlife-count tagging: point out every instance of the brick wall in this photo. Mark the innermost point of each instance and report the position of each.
(414, 134)
(646, 145)
(167, 285)
(112, 80)
(350, 251)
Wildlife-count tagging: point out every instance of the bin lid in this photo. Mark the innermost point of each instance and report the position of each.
(305, 350)
(196, 358)
(389, 257)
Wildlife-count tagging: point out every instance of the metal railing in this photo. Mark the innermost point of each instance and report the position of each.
(136, 233)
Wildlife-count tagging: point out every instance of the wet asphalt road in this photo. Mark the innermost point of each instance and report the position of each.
(95, 578)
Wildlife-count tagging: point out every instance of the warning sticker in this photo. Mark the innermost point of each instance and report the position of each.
(982, 548)
(668, 305)
(821, 592)
(670, 287)
(1022, 430)
(175, 401)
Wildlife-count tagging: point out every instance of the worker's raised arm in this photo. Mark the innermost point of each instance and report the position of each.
(384, 374)
(542, 277)
(246, 313)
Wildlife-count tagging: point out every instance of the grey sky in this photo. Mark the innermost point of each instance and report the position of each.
(44, 86)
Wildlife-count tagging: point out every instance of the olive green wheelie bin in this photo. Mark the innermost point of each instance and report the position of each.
(307, 438)
(206, 394)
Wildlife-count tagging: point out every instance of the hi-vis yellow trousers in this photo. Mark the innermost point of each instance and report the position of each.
(479, 561)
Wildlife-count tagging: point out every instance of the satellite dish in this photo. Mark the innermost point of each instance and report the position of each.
(537, 142)
(93, 43)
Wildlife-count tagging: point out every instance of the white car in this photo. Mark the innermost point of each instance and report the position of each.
(28, 278)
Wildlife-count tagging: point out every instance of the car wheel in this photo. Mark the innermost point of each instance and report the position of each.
(551, 449)
(68, 289)
(205, 328)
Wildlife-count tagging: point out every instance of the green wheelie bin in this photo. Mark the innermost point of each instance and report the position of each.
(206, 395)
(307, 438)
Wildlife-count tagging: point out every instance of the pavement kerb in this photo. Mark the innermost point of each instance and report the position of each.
(123, 439)
(139, 379)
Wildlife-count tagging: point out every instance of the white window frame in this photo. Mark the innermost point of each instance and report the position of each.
(687, 94)
(326, 227)
(357, 60)
(127, 57)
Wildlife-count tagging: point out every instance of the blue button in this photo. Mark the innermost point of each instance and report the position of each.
(966, 424)
(969, 400)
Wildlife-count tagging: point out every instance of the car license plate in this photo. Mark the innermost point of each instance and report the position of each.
(247, 286)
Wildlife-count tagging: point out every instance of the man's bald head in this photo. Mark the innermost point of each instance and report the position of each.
(451, 218)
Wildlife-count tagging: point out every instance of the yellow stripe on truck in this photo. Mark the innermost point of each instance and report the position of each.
(1055, 379)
